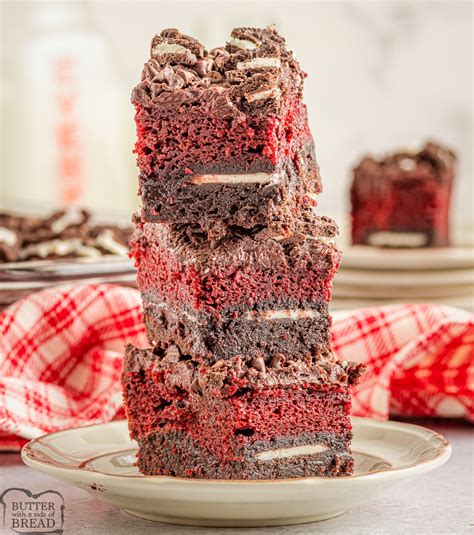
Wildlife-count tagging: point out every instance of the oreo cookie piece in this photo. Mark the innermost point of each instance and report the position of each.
(10, 243)
(63, 234)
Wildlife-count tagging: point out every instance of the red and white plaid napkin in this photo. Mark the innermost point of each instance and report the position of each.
(419, 359)
(61, 356)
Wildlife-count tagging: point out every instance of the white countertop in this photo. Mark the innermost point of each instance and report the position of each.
(440, 502)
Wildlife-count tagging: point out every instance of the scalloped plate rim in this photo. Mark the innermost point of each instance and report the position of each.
(379, 446)
(444, 449)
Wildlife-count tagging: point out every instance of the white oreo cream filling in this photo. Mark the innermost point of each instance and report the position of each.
(296, 451)
(320, 239)
(407, 164)
(7, 236)
(71, 217)
(268, 93)
(251, 178)
(282, 314)
(107, 241)
(59, 248)
(258, 63)
(398, 239)
(168, 48)
(243, 44)
(264, 315)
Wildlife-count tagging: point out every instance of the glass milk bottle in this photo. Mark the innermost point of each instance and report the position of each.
(77, 148)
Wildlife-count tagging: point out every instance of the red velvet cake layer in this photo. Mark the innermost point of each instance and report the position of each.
(269, 266)
(181, 137)
(403, 200)
(237, 420)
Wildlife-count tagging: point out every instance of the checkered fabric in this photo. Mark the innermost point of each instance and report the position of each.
(61, 356)
(419, 359)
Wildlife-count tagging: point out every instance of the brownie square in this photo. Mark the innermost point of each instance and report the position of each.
(234, 421)
(223, 136)
(256, 294)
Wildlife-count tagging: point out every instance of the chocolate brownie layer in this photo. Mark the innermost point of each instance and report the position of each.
(271, 328)
(214, 207)
(212, 123)
(250, 419)
(175, 453)
(403, 199)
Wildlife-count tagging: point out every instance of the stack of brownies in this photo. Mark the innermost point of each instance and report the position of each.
(235, 270)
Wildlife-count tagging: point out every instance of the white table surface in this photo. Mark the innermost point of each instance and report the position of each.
(440, 502)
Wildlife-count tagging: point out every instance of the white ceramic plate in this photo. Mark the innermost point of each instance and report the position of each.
(19, 279)
(99, 459)
(406, 279)
(348, 303)
(375, 258)
(401, 293)
(459, 256)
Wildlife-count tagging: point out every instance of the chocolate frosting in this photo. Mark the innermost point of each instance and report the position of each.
(309, 242)
(226, 378)
(232, 79)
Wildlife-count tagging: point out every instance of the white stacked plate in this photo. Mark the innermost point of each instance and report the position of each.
(371, 276)
(17, 280)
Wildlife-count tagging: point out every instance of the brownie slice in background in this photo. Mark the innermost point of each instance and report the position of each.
(403, 200)
(68, 233)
